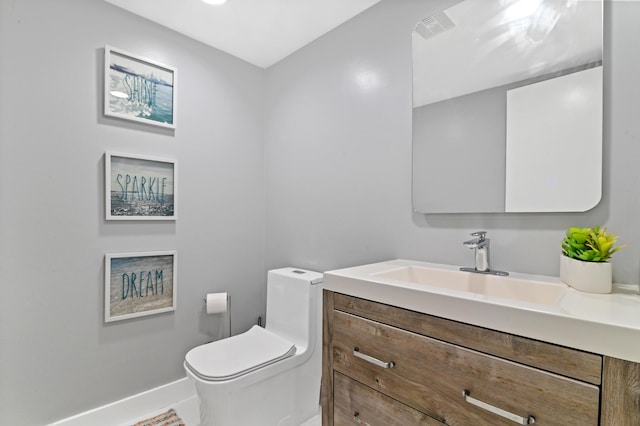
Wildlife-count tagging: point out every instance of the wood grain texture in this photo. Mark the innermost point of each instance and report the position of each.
(327, 386)
(568, 362)
(430, 375)
(620, 393)
(356, 402)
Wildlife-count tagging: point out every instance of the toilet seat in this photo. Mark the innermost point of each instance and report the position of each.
(238, 355)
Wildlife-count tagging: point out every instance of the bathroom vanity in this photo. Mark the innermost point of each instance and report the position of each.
(415, 343)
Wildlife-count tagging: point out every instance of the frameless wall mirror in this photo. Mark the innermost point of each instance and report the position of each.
(507, 107)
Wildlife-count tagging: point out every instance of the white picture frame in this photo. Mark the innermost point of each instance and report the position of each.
(140, 187)
(139, 284)
(139, 89)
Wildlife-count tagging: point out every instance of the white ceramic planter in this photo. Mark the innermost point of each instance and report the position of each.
(590, 277)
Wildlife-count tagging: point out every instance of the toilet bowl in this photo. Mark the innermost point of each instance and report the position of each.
(266, 376)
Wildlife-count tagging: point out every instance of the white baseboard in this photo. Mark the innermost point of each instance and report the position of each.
(135, 406)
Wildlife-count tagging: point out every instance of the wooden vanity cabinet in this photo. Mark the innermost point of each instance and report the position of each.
(384, 365)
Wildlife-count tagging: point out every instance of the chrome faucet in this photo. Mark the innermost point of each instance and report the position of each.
(481, 245)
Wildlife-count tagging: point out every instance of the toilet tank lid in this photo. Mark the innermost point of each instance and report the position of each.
(303, 274)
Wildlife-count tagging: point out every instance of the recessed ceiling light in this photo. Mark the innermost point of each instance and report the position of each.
(215, 2)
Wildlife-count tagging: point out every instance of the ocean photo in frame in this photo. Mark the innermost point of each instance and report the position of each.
(139, 187)
(139, 89)
(139, 284)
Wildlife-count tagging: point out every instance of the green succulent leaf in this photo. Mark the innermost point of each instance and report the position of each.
(590, 244)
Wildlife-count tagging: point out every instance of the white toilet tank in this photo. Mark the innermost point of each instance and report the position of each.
(292, 302)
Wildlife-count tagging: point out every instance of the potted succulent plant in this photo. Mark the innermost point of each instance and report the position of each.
(584, 264)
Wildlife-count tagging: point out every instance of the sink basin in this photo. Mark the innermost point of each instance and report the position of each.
(510, 287)
(534, 306)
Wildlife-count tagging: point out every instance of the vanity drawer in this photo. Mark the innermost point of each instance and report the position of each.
(356, 403)
(432, 376)
(579, 365)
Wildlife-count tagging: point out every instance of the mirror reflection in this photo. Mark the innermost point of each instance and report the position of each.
(507, 113)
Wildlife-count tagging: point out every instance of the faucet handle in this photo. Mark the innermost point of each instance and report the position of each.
(479, 234)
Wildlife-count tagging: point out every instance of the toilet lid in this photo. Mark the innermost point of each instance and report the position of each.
(238, 355)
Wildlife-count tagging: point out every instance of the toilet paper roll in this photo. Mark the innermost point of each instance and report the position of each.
(216, 303)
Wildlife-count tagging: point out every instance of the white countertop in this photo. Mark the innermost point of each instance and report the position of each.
(607, 324)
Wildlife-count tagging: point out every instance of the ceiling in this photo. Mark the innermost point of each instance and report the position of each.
(261, 32)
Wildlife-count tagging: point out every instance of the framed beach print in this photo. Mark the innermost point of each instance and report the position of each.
(138, 284)
(139, 89)
(140, 187)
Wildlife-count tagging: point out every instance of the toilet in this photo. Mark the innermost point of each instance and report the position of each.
(266, 376)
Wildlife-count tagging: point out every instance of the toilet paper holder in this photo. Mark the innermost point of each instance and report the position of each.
(228, 310)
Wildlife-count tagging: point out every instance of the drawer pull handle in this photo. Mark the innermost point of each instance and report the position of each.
(529, 420)
(372, 360)
(358, 420)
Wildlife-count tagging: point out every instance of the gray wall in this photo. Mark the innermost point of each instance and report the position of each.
(338, 157)
(57, 357)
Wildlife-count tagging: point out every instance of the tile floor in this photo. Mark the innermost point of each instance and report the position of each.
(188, 412)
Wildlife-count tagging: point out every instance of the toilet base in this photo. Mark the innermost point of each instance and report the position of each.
(276, 401)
